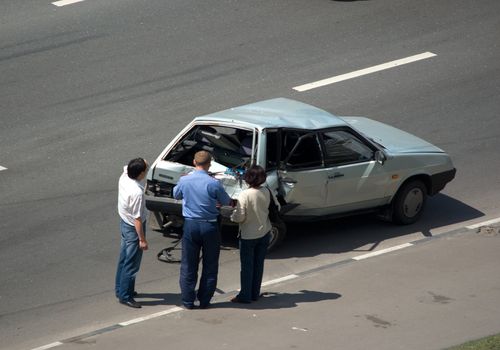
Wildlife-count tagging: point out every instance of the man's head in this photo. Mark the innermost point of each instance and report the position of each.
(136, 169)
(202, 160)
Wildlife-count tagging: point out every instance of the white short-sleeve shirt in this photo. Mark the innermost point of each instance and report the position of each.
(131, 204)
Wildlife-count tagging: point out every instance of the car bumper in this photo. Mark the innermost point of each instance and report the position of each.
(440, 180)
(164, 205)
(173, 207)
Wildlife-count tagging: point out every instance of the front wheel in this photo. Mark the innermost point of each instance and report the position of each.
(409, 202)
(278, 233)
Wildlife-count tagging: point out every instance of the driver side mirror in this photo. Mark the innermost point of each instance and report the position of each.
(380, 157)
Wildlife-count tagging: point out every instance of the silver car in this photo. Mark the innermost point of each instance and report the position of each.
(318, 165)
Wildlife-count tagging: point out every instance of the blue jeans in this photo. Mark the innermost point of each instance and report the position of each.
(205, 237)
(252, 255)
(129, 261)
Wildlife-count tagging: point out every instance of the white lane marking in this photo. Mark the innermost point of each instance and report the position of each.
(65, 2)
(149, 317)
(484, 223)
(48, 346)
(382, 251)
(364, 71)
(281, 279)
(2, 168)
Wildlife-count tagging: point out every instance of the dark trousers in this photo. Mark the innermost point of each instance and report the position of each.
(204, 237)
(128, 263)
(252, 255)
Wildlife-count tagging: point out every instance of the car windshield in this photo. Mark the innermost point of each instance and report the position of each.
(230, 147)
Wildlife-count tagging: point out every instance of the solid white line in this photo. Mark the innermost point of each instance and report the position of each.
(281, 279)
(65, 2)
(364, 71)
(484, 223)
(48, 346)
(2, 168)
(149, 317)
(382, 251)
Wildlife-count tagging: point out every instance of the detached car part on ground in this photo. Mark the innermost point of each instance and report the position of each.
(319, 165)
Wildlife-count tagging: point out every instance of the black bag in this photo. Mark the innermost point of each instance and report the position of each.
(274, 213)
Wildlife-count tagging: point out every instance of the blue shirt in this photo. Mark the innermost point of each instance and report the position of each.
(200, 194)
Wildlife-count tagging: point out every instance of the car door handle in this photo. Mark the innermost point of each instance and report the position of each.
(289, 180)
(333, 176)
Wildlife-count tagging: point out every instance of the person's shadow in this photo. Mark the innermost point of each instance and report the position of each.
(153, 299)
(277, 300)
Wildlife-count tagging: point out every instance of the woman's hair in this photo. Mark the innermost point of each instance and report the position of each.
(255, 176)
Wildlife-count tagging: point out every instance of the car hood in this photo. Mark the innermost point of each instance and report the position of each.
(391, 138)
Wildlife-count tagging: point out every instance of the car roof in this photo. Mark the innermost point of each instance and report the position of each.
(277, 113)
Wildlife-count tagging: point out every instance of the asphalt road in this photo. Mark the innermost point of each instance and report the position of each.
(86, 87)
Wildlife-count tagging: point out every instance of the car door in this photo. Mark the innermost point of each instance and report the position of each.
(355, 180)
(302, 176)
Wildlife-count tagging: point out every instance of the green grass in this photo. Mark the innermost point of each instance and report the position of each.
(488, 343)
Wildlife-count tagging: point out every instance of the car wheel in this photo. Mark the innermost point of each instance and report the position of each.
(278, 233)
(409, 202)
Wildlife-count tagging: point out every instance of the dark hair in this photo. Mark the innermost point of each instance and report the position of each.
(255, 176)
(136, 167)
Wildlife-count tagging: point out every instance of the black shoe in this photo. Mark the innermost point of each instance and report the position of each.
(260, 296)
(205, 306)
(131, 303)
(188, 306)
(236, 299)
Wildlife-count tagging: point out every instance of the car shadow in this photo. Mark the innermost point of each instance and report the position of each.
(364, 233)
(354, 233)
(276, 300)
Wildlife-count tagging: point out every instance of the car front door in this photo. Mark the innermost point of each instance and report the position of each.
(302, 175)
(355, 180)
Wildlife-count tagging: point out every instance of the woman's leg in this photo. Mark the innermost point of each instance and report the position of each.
(258, 265)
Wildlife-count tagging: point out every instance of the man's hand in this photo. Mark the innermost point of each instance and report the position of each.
(143, 245)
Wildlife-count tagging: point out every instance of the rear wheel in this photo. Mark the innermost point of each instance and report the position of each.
(409, 202)
(278, 233)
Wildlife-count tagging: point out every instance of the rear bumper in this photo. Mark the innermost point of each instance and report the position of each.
(439, 180)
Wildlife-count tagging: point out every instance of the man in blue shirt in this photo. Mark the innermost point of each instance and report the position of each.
(200, 194)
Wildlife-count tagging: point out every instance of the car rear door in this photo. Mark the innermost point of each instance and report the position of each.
(355, 180)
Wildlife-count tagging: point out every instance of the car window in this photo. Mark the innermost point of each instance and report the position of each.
(344, 147)
(230, 147)
(300, 149)
(271, 149)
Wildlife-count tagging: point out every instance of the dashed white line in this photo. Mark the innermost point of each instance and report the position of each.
(281, 279)
(65, 2)
(382, 251)
(2, 168)
(48, 346)
(364, 71)
(484, 223)
(149, 317)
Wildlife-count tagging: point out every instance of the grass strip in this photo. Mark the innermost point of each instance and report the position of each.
(487, 343)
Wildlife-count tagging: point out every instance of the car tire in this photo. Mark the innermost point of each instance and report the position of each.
(278, 233)
(409, 202)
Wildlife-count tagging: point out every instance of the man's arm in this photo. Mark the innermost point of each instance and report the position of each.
(177, 191)
(143, 244)
(222, 196)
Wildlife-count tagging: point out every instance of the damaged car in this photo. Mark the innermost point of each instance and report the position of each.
(318, 165)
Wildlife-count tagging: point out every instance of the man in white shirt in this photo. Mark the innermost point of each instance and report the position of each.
(132, 211)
